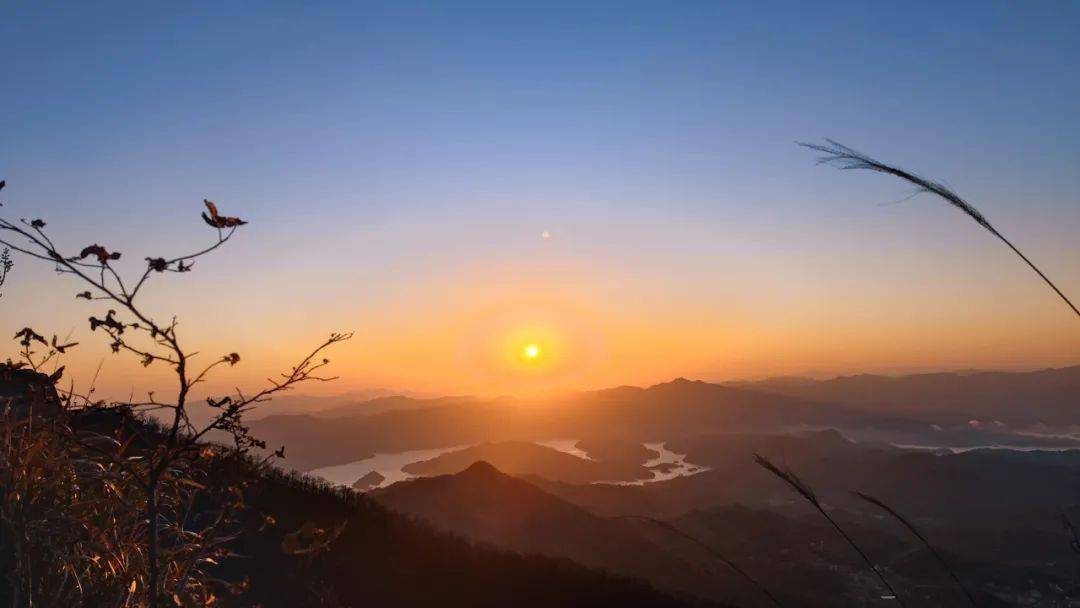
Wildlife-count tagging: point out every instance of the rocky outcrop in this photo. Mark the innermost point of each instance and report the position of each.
(24, 390)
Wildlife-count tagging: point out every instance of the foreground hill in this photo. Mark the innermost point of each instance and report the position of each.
(378, 558)
(966, 488)
(486, 505)
(797, 556)
(522, 457)
(998, 512)
(383, 558)
(1012, 554)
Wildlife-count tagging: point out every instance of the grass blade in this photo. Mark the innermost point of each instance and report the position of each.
(806, 492)
(1074, 539)
(713, 552)
(915, 532)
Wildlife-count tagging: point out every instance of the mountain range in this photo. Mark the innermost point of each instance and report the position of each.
(1049, 396)
(1020, 409)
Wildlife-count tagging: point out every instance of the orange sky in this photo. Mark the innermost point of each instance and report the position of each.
(598, 320)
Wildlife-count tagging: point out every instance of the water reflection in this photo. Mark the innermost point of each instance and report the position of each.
(666, 465)
(566, 446)
(388, 465)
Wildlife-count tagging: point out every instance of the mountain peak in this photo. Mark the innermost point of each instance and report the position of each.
(481, 467)
(680, 383)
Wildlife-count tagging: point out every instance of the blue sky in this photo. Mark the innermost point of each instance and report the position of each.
(390, 153)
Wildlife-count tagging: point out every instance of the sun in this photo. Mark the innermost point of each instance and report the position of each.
(531, 351)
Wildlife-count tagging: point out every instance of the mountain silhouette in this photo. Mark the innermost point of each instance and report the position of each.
(523, 457)
(657, 413)
(487, 505)
(1049, 396)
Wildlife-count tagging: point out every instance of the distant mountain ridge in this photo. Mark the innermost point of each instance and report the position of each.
(1050, 396)
(657, 413)
(985, 408)
(362, 401)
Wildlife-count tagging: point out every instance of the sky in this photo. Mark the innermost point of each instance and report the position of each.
(399, 162)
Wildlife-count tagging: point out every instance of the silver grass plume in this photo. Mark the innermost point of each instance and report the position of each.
(834, 153)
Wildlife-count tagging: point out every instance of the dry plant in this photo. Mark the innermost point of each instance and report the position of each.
(70, 528)
(1071, 535)
(5, 266)
(806, 492)
(147, 455)
(5, 256)
(847, 158)
(915, 532)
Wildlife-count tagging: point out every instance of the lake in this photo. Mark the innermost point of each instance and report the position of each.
(390, 465)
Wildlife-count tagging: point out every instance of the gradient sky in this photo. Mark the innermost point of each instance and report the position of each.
(398, 163)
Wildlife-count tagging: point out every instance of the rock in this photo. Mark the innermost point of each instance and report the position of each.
(25, 391)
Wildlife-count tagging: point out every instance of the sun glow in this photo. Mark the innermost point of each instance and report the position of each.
(531, 351)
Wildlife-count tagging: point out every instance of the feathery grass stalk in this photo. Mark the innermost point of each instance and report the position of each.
(1070, 530)
(713, 552)
(806, 492)
(915, 531)
(846, 158)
